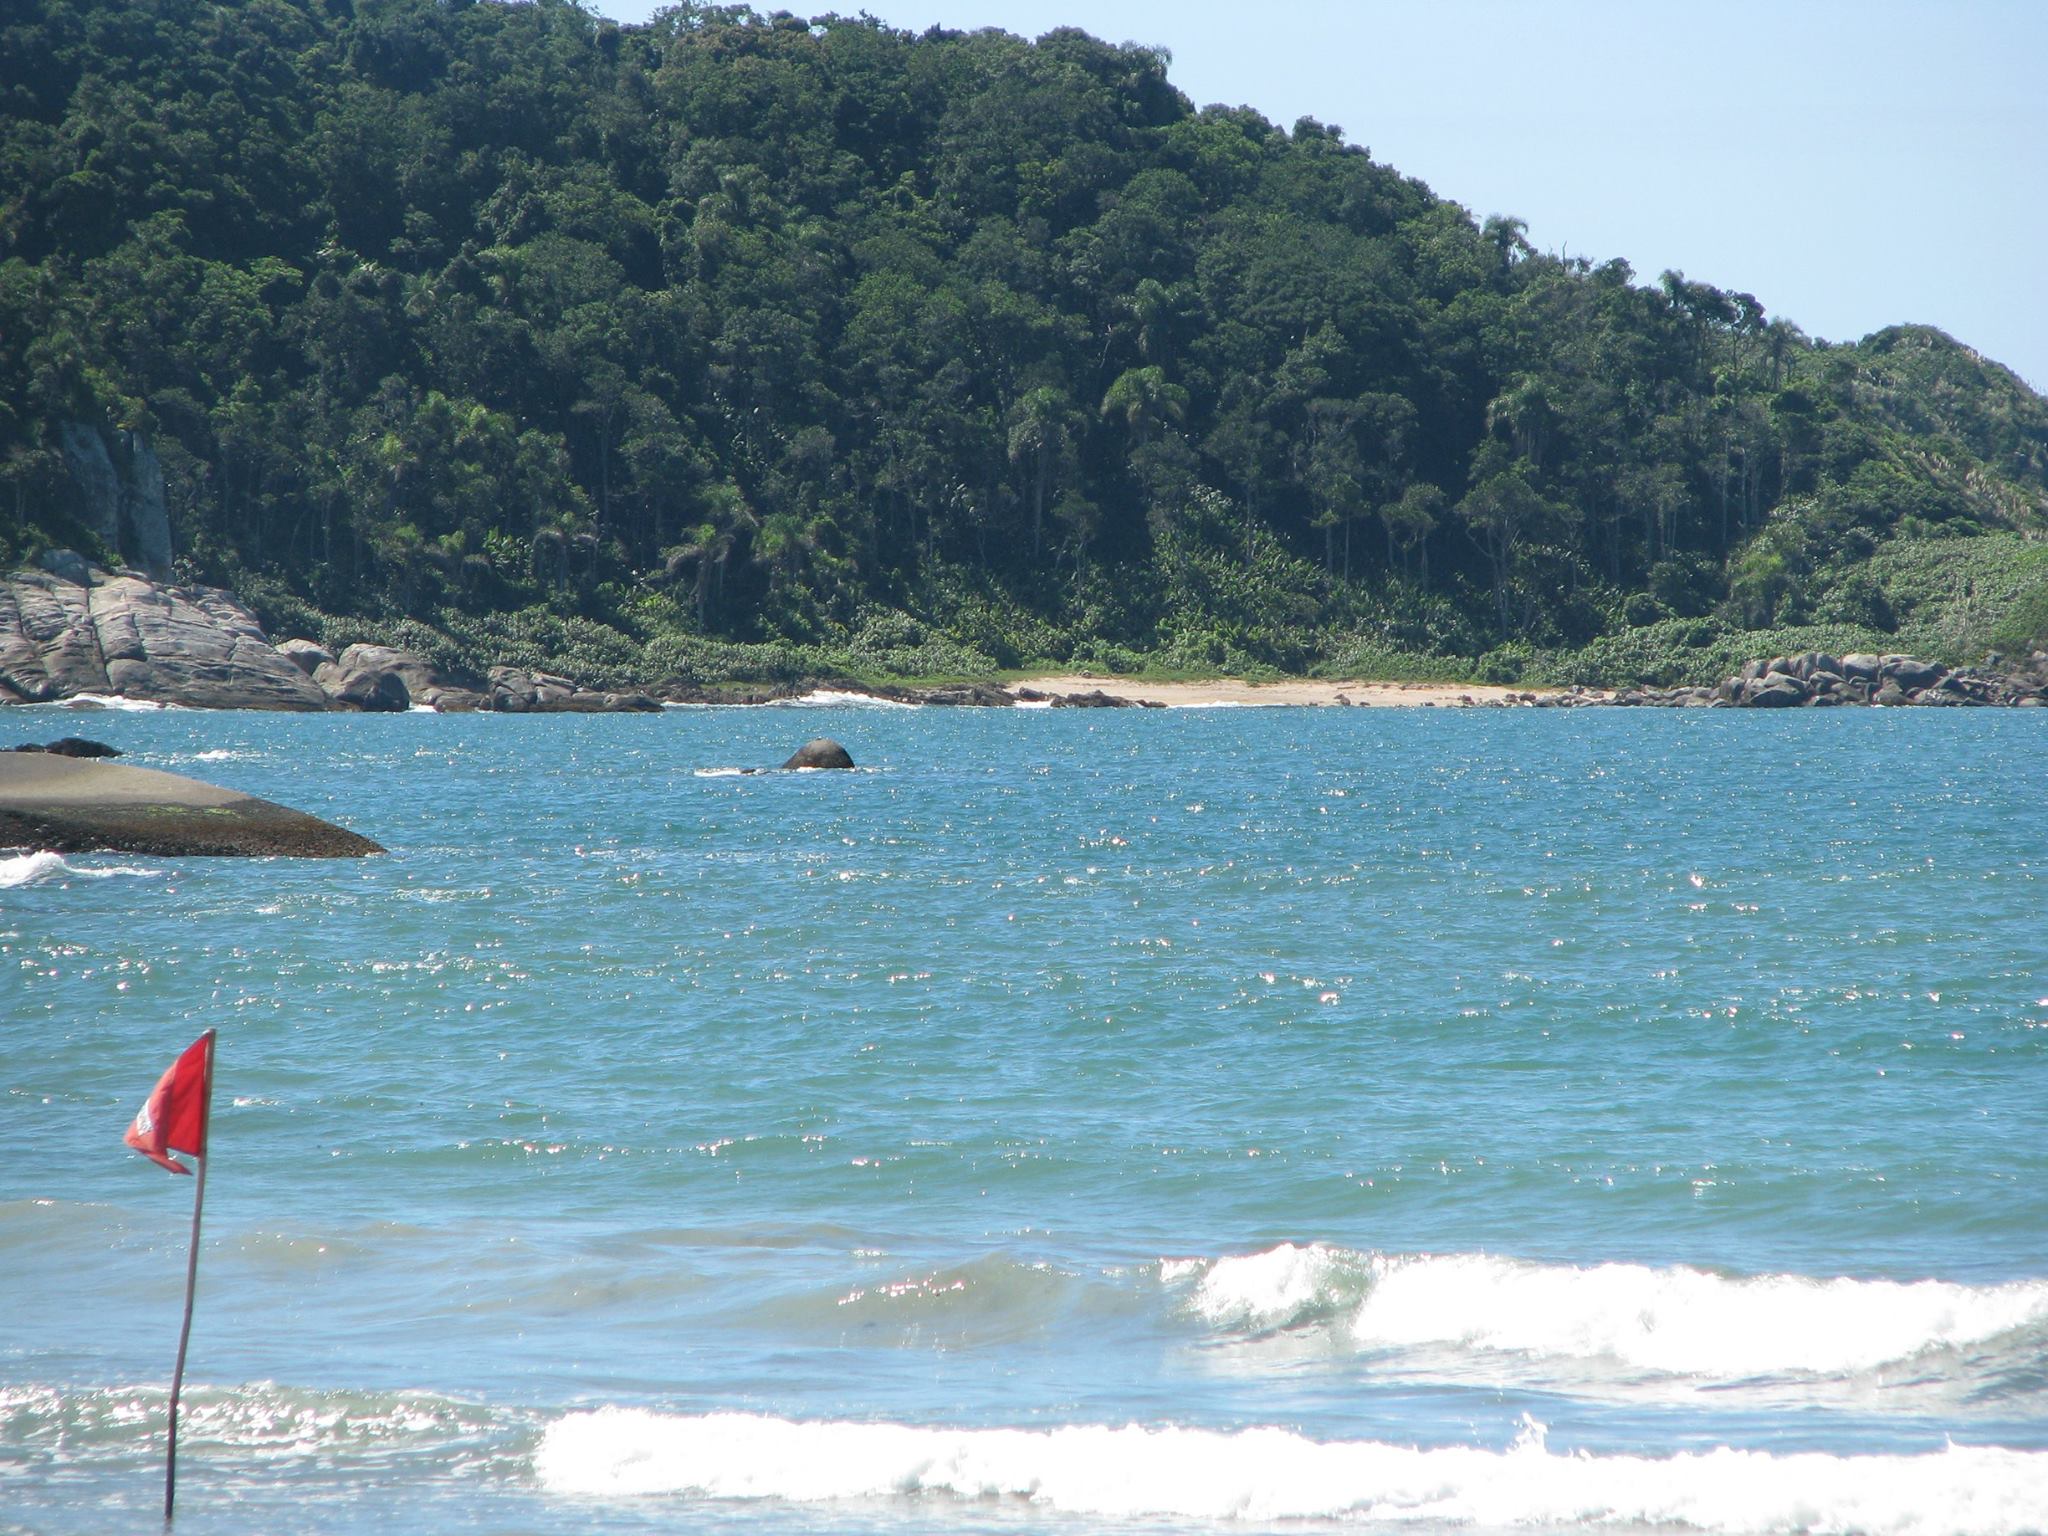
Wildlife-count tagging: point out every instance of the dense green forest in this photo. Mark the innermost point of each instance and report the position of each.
(734, 344)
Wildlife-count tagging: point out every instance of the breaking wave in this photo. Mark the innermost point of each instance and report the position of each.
(1675, 1321)
(1267, 1474)
(44, 868)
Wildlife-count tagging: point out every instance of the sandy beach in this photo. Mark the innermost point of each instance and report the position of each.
(1291, 691)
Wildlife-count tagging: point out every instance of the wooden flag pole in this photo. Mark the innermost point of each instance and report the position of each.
(191, 1281)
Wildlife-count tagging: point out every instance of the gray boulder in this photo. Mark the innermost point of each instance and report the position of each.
(67, 565)
(373, 692)
(374, 676)
(307, 655)
(1777, 690)
(1910, 673)
(823, 752)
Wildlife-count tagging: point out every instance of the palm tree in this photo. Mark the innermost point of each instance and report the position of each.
(1145, 400)
(1042, 435)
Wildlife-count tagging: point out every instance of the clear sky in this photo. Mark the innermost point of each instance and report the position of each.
(1852, 163)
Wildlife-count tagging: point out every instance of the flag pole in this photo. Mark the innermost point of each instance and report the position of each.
(191, 1281)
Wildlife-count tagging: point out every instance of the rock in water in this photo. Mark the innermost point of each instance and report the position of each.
(70, 746)
(71, 805)
(824, 752)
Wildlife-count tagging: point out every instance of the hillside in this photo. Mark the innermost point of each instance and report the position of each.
(739, 346)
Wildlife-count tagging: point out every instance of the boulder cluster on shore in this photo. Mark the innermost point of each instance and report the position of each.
(70, 630)
(1817, 680)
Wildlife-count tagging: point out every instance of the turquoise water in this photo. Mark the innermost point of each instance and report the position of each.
(1152, 1120)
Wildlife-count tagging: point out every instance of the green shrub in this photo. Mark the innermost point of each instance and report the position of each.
(1509, 663)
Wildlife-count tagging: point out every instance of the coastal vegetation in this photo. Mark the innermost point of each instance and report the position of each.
(756, 346)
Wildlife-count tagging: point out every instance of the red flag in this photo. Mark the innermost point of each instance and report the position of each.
(173, 1118)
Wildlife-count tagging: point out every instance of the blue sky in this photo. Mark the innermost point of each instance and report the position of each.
(1852, 163)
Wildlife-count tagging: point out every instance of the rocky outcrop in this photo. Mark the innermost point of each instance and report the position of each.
(972, 695)
(1097, 699)
(121, 634)
(377, 679)
(517, 691)
(69, 629)
(69, 805)
(822, 752)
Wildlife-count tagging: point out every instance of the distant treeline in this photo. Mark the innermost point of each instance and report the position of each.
(930, 352)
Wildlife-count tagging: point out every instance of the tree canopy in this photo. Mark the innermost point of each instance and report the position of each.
(499, 318)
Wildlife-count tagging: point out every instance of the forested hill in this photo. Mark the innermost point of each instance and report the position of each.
(734, 343)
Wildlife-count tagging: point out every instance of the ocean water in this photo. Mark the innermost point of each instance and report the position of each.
(1199, 1120)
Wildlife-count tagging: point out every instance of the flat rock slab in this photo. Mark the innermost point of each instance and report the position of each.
(79, 805)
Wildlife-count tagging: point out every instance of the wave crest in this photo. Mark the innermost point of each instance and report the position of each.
(1676, 1321)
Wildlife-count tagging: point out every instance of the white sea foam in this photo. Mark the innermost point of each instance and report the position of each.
(44, 868)
(1267, 1474)
(104, 701)
(822, 697)
(1677, 1320)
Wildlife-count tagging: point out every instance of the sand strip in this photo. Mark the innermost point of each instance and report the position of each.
(1293, 691)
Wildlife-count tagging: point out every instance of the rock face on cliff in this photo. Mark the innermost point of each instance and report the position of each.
(124, 635)
(73, 805)
(120, 489)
